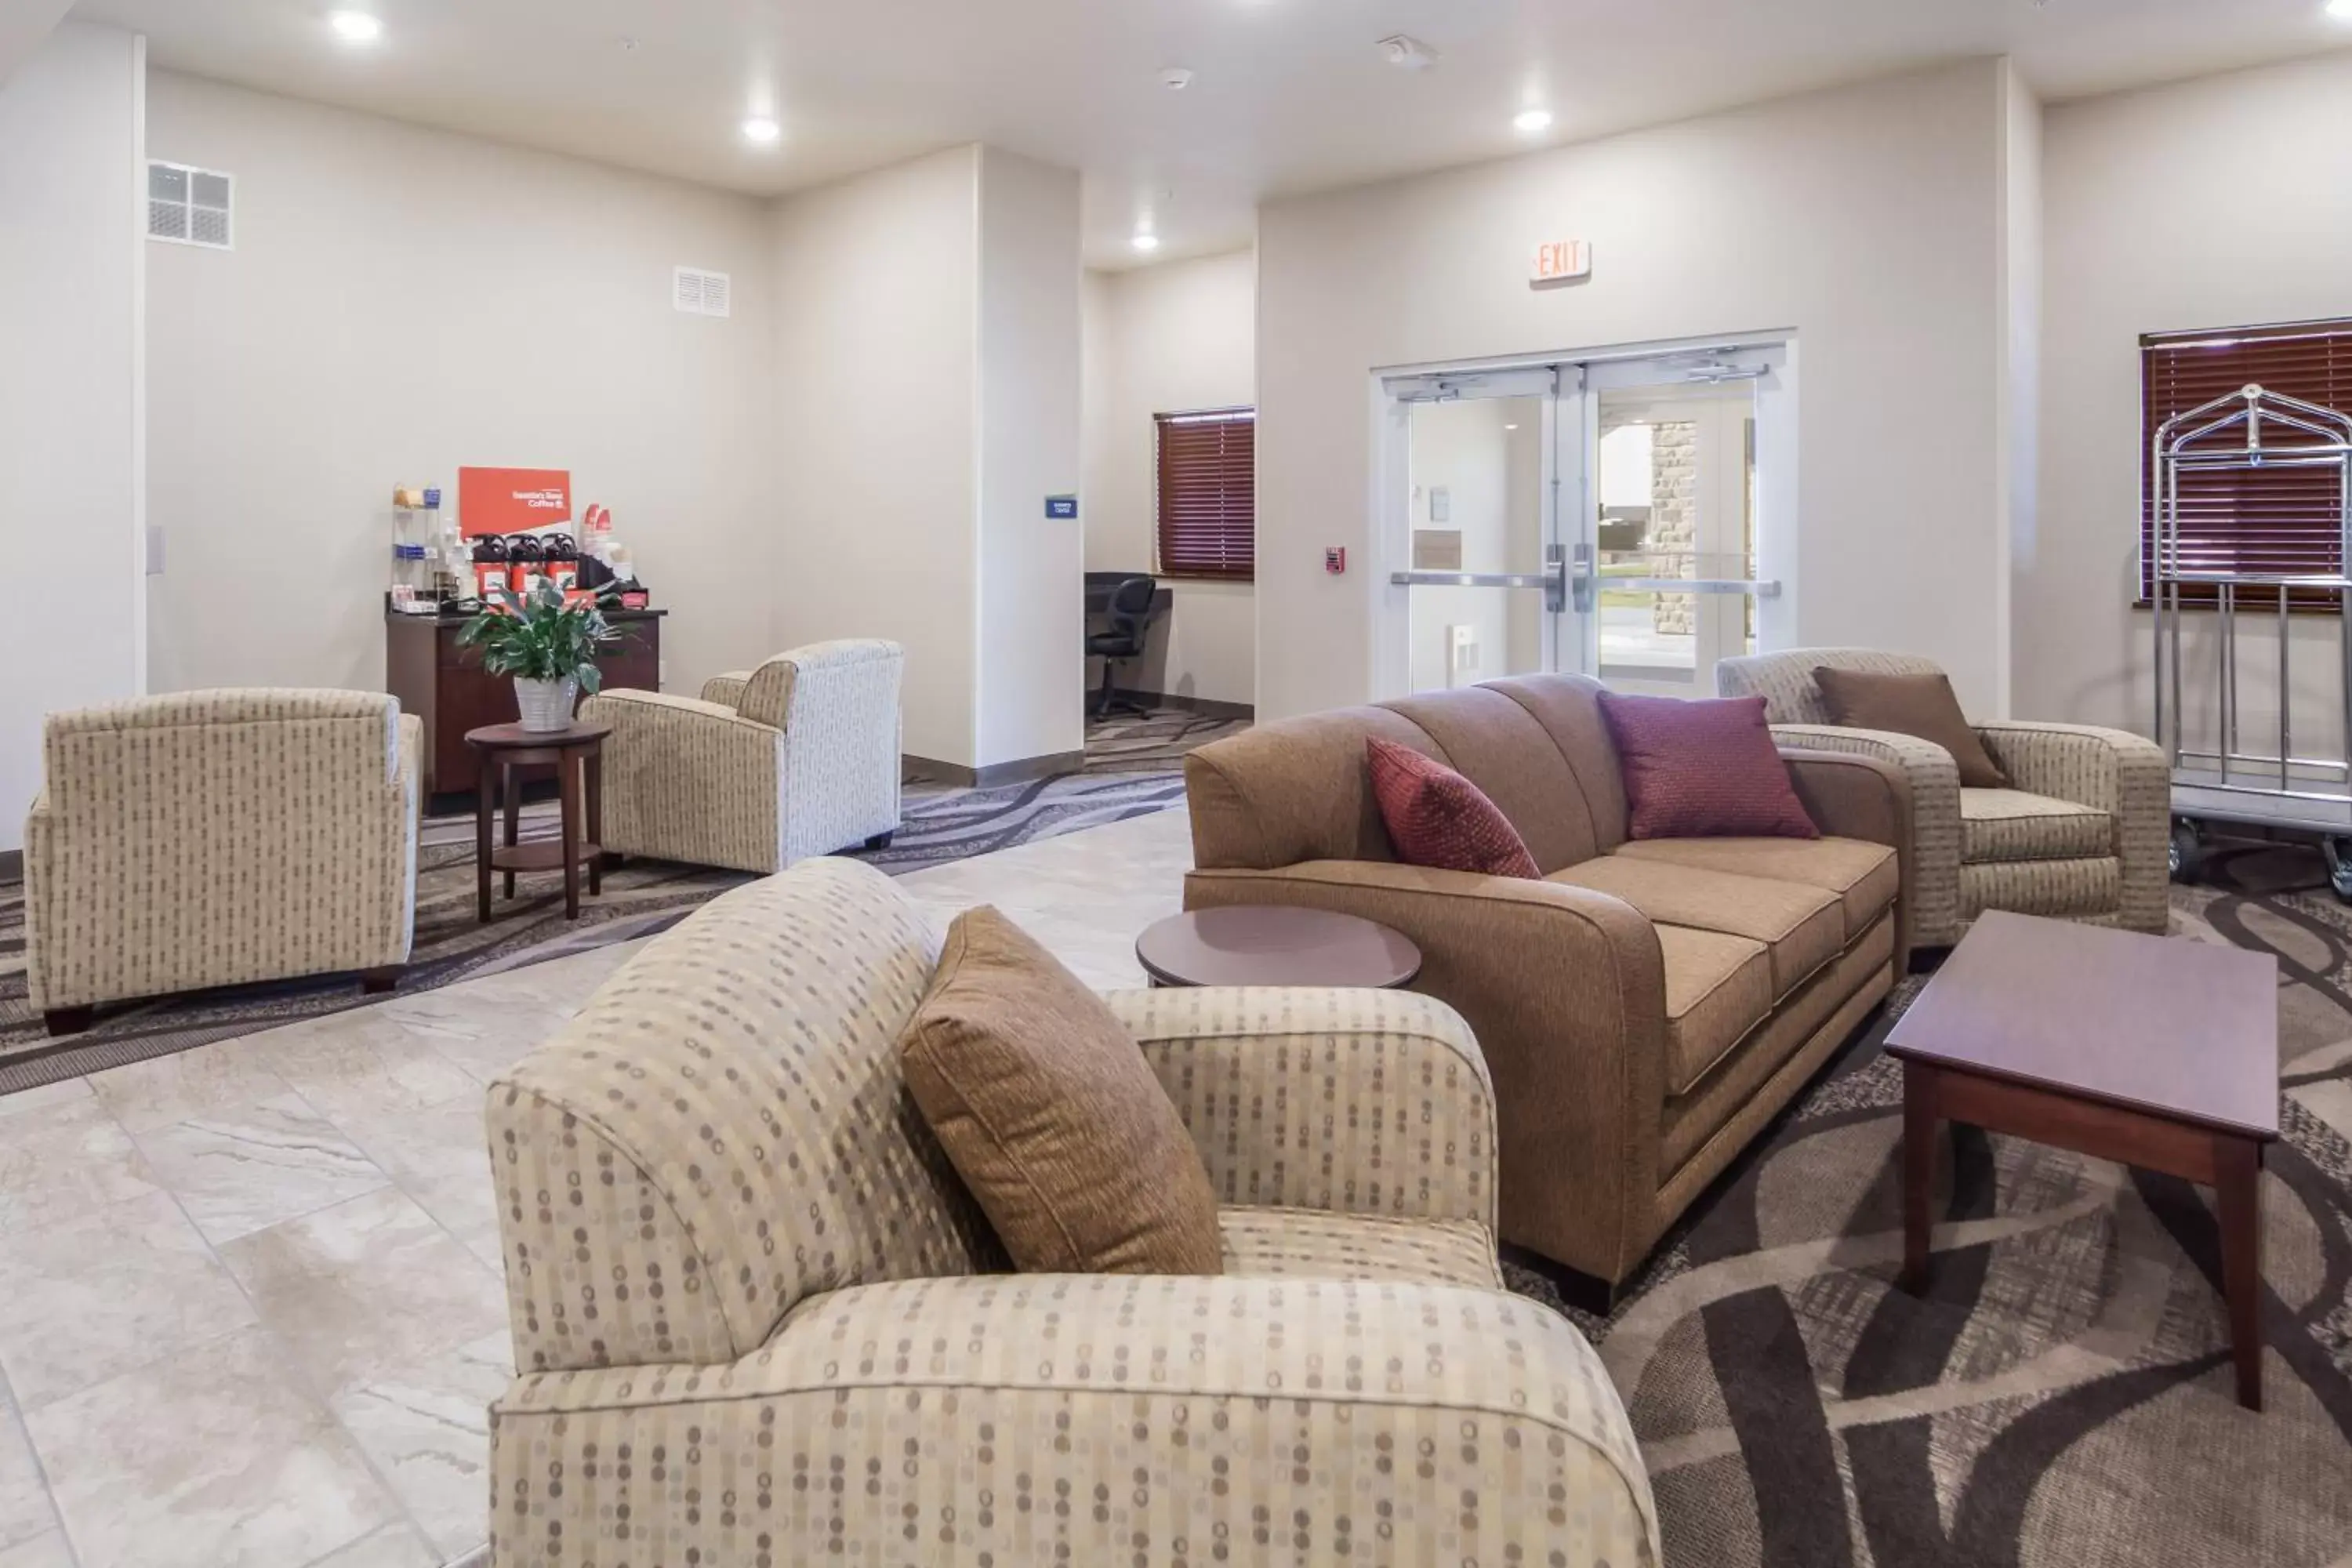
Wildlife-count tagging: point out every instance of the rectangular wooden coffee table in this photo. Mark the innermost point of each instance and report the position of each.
(2152, 1051)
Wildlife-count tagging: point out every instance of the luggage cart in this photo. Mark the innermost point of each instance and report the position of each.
(2252, 432)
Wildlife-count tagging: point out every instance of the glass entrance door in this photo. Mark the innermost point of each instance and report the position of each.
(1674, 480)
(1483, 582)
(1609, 516)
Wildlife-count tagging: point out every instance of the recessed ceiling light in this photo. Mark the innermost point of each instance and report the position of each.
(761, 131)
(1528, 122)
(356, 26)
(2340, 9)
(1144, 240)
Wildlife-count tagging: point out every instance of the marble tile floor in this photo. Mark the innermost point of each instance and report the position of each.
(251, 1307)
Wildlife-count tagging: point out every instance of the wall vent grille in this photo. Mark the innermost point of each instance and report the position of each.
(191, 206)
(701, 293)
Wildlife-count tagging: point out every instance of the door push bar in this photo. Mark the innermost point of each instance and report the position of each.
(1562, 586)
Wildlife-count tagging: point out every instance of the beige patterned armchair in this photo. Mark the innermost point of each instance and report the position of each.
(796, 758)
(2082, 834)
(759, 1319)
(217, 839)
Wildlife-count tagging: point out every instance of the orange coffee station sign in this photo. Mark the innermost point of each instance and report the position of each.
(512, 500)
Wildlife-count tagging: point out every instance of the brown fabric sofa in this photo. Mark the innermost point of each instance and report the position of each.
(1647, 1006)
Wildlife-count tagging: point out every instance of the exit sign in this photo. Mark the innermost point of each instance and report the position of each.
(1561, 261)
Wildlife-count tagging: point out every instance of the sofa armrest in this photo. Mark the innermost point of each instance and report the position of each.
(1931, 881)
(1564, 989)
(1120, 1404)
(1353, 1101)
(2126, 775)
(688, 781)
(1851, 795)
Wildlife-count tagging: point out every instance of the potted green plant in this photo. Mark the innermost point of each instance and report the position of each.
(549, 646)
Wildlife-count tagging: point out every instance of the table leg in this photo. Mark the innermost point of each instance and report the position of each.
(512, 792)
(593, 764)
(2238, 1184)
(567, 773)
(1918, 1173)
(483, 785)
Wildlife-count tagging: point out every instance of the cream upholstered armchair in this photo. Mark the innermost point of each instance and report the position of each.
(757, 1319)
(2083, 832)
(218, 839)
(796, 758)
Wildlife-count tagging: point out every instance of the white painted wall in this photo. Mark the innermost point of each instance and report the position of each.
(401, 302)
(23, 25)
(1866, 220)
(1032, 567)
(2020, 348)
(70, 391)
(2222, 202)
(1179, 336)
(876, 513)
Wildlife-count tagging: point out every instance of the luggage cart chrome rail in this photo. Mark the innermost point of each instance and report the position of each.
(2251, 432)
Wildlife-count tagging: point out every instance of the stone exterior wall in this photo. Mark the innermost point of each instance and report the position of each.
(1673, 521)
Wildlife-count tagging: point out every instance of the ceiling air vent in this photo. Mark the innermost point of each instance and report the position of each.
(700, 293)
(189, 207)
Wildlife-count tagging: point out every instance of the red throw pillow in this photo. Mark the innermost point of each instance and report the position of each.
(1703, 769)
(1439, 819)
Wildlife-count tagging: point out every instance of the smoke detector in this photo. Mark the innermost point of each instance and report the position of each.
(1407, 53)
(1175, 78)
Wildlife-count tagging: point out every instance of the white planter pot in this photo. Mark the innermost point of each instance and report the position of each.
(546, 705)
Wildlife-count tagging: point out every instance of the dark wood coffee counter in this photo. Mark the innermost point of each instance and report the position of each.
(445, 686)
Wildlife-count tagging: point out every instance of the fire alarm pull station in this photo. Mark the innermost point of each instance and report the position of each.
(1335, 561)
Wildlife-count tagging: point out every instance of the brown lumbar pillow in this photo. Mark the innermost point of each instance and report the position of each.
(1051, 1115)
(1920, 705)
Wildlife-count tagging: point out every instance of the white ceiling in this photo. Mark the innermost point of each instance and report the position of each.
(1288, 95)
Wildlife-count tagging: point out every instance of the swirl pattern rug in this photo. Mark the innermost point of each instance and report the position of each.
(2062, 1399)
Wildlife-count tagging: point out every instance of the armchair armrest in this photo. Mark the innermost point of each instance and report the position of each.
(1931, 876)
(727, 690)
(2126, 775)
(1852, 795)
(688, 781)
(1564, 989)
(1358, 1103)
(979, 1393)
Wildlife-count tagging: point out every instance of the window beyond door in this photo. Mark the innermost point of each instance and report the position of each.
(2282, 521)
(1208, 494)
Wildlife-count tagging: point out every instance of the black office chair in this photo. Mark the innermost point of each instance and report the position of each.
(1129, 612)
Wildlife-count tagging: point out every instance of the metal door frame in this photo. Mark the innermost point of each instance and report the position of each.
(1569, 383)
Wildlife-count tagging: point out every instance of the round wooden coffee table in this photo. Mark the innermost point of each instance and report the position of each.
(1274, 944)
(578, 755)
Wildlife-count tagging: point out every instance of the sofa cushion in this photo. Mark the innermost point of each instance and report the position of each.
(2010, 825)
(1920, 705)
(1049, 1112)
(1718, 988)
(1866, 878)
(1801, 927)
(1437, 818)
(1703, 767)
(1319, 1244)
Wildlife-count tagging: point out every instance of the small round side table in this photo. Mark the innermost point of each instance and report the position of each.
(575, 752)
(1275, 944)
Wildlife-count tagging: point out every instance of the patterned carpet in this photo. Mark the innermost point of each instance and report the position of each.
(2065, 1399)
(1133, 766)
